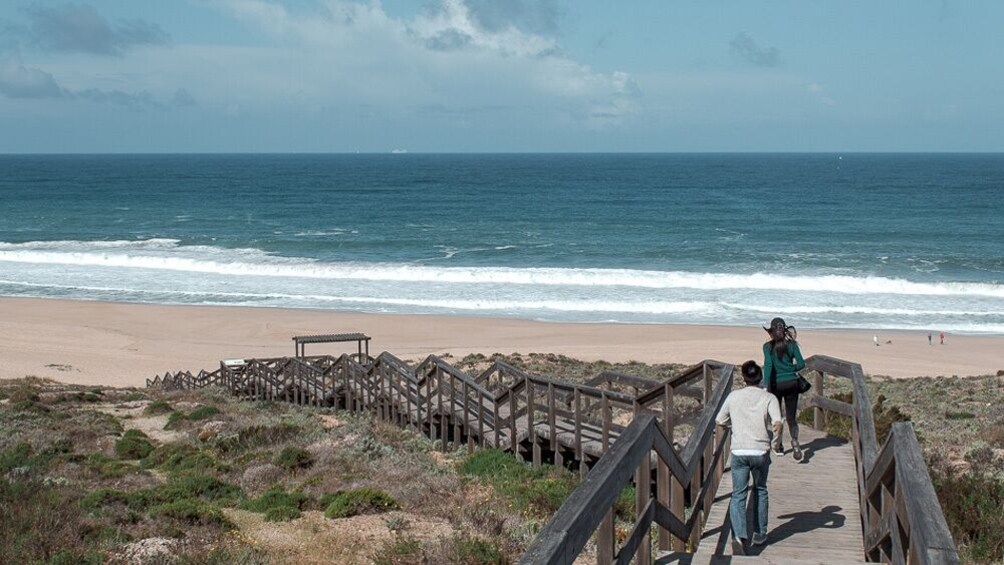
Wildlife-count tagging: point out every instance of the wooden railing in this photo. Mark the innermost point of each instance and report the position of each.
(538, 418)
(901, 519)
(685, 480)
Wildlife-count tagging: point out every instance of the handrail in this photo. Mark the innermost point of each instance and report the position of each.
(698, 468)
(901, 518)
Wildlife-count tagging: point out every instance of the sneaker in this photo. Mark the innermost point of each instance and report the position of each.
(778, 449)
(759, 539)
(796, 451)
(738, 546)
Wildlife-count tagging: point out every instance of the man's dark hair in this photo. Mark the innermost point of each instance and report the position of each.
(752, 373)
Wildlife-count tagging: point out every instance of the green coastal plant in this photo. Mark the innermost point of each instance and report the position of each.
(158, 407)
(366, 500)
(292, 458)
(277, 504)
(134, 444)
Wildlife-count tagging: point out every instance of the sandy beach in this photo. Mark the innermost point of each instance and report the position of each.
(117, 344)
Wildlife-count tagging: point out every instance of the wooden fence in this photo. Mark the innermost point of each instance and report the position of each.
(901, 518)
(538, 418)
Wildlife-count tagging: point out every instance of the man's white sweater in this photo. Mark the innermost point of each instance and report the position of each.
(750, 411)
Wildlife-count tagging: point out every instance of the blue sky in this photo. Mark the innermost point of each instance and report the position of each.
(500, 75)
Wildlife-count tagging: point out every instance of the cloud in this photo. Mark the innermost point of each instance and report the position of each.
(137, 100)
(746, 49)
(820, 92)
(534, 16)
(458, 54)
(448, 40)
(80, 28)
(182, 99)
(18, 81)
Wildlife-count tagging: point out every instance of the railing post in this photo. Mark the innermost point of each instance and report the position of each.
(583, 468)
(643, 485)
(662, 490)
(531, 428)
(605, 409)
(555, 448)
(444, 429)
(605, 540)
(817, 416)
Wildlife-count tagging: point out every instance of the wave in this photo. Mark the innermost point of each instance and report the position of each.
(169, 255)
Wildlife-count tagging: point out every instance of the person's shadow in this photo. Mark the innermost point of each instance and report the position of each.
(820, 443)
(802, 522)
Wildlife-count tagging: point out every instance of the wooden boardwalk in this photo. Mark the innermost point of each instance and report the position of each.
(844, 503)
(814, 510)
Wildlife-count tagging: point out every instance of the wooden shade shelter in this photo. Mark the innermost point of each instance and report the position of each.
(362, 342)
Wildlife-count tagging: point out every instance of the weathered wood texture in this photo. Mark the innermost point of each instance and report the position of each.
(846, 502)
(813, 509)
(547, 420)
(645, 456)
(900, 519)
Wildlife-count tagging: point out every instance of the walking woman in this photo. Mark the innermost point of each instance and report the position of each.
(781, 362)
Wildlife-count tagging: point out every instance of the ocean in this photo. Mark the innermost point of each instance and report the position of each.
(827, 241)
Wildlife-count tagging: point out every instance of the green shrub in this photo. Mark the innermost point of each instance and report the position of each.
(292, 458)
(537, 491)
(158, 407)
(136, 500)
(281, 514)
(40, 524)
(256, 436)
(15, 457)
(474, 551)
(276, 498)
(107, 468)
(174, 420)
(191, 511)
(76, 557)
(972, 505)
(344, 504)
(197, 486)
(134, 444)
(182, 458)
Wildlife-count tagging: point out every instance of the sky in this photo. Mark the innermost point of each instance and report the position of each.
(138, 76)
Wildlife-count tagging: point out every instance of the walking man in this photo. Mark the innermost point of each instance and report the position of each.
(875, 339)
(752, 413)
(929, 339)
(942, 338)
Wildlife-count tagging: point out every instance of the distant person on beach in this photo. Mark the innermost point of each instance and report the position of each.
(929, 339)
(942, 338)
(782, 359)
(752, 413)
(875, 339)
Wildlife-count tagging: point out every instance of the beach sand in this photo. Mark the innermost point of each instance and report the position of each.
(115, 344)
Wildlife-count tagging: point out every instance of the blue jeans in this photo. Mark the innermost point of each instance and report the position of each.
(742, 467)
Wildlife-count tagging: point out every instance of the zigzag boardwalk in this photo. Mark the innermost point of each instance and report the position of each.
(539, 419)
(849, 503)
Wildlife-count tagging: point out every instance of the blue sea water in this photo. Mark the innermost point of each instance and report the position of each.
(827, 241)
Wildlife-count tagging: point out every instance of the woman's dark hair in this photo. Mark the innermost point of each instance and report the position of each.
(752, 373)
(780, 334)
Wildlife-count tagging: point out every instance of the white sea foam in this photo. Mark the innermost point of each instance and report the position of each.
(167, 255)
